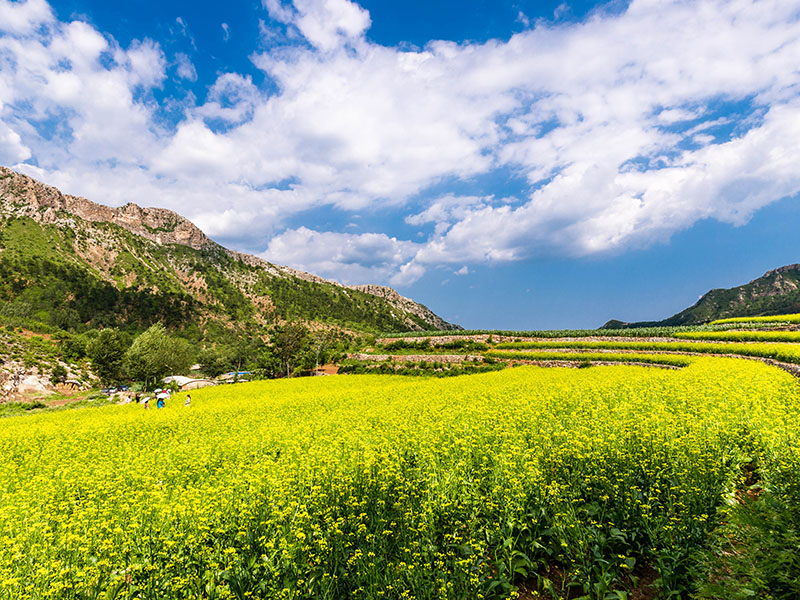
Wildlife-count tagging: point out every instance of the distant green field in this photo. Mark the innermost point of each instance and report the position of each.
(660, 331)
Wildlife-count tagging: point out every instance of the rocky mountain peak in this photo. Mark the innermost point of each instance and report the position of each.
(21, 195)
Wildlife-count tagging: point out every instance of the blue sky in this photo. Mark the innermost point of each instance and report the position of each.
(509, 164)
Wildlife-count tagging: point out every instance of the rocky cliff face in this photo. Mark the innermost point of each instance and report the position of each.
(22, 196)
(47, 204)
(407, 305)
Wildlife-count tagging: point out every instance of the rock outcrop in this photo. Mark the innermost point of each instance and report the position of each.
(406, 304)
(47, 204)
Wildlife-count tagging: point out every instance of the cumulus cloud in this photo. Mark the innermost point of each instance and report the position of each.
(351, 258)
(625, 127)
(232, 98)
(12, 149)
(326, 24)
(23, 17)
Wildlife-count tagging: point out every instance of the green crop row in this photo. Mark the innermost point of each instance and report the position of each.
(659, 331)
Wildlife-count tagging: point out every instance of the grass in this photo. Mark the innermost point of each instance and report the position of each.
(753, 553)
(38, 404)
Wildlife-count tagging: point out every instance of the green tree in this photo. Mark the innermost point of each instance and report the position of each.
(236, 353)
(107, 352)
(321, 344)
(73, 347)
(58, 374)
(268, 364)
(288, 342)
(216, 360)
(154, 355)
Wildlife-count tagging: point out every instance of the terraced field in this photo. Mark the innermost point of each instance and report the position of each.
(779, 319)
(779, 343)
(607, 483)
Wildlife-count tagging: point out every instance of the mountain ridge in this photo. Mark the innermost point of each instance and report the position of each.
(775, 292)
(22, 196)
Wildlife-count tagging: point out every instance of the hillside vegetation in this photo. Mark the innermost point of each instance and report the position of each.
(73, 264)
(74, 269)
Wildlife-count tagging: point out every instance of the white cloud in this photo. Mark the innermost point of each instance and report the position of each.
(351, 258)
(23, 17)
(232, 98)
(278, 11)
(326, 24)
(626, 127)
(184, 67)
(447, 209)
(226, 32)
(561, 10)
(12, 150)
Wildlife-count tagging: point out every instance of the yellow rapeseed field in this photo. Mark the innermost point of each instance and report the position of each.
(793, 318)
(390, 487)
(784, 352)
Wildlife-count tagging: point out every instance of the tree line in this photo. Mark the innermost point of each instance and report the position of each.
(290, 349)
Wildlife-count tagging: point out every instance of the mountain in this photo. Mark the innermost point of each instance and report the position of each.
(774, 293)
(71, 263)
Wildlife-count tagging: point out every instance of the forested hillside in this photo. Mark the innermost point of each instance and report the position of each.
(776, 292)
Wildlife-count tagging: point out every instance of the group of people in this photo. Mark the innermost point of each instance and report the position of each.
(162, 403)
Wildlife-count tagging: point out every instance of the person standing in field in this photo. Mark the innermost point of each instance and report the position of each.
(188, 400)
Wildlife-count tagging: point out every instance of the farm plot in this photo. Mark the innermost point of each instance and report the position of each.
(591, 482)
(741, 336)
(782, 352)
(571, 355)
(793, 318)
